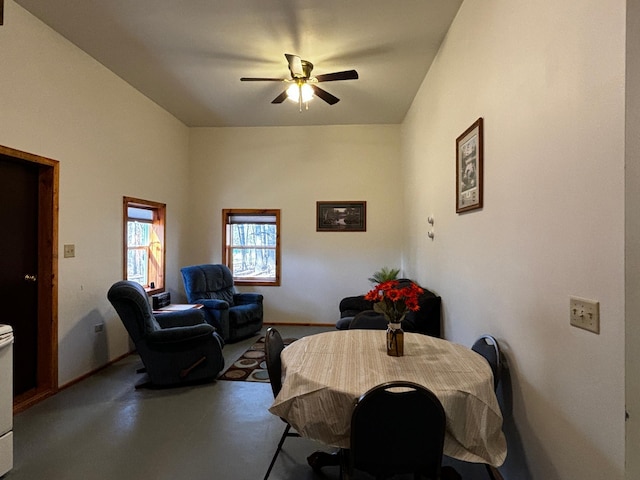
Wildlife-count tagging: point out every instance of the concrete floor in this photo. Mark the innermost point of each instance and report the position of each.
(103, 428)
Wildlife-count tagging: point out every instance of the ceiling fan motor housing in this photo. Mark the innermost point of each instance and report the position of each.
(303, 70)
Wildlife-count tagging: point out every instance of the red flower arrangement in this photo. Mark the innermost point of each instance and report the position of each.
(393, 301)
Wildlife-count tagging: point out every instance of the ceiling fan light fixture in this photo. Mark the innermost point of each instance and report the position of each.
(302, 86)
(303, 91)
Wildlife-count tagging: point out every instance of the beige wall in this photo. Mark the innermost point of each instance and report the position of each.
(632, 241)
(112, 141)
(548, 79)
(57, 102)
(291, 168)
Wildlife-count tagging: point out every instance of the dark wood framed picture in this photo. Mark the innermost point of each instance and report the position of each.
(469, 168)
(341, 216)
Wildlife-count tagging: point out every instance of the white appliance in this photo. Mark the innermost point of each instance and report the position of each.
(6, 399)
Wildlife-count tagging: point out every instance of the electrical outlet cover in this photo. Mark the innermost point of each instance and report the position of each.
(69, 251)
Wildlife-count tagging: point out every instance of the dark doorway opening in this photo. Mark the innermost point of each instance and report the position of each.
(28, 270)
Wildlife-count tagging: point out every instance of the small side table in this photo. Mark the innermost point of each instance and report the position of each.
(176, 307)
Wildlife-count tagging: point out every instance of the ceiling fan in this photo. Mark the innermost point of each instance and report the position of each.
(302, 85)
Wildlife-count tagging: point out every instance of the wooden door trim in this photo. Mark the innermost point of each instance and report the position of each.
(48, 204)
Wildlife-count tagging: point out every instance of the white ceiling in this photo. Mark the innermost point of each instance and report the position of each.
(188, 56)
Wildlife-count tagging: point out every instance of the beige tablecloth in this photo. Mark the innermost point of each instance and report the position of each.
(325, 374)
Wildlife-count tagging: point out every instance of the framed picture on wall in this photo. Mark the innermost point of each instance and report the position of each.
(341, 216)
(469, 168)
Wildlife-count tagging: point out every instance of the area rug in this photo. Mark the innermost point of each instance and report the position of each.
(252, 365)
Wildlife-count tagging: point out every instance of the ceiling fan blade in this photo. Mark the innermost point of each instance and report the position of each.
(331, 77)
(324, 95)
(280, 98)
(261, 79)
(295, 65)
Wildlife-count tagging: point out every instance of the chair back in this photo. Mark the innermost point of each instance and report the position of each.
(488, 347)
(208, 281)
(398, 427)
(369, 320)
(132, 305)
(273, 346)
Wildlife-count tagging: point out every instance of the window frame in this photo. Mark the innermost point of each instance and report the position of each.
(156, 269)
(227, 213)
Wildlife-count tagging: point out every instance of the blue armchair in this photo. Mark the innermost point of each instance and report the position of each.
(235, 315)
(176, 347)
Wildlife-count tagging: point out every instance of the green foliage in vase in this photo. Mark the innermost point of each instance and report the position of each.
(384, 275)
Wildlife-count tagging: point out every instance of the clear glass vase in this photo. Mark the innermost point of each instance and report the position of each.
(395, 340)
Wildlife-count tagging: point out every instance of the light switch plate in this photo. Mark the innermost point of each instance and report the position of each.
(584, 313)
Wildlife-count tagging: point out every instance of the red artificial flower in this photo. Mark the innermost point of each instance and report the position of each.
(394, 295)
(394, 302)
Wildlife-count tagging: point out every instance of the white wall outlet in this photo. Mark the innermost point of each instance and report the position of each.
(69, 251)
(584, 314)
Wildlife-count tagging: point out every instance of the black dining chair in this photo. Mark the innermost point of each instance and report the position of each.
(397, 428)
(273, 346)
(489, 348)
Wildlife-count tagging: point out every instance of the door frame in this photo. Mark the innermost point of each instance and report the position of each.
(47, 367)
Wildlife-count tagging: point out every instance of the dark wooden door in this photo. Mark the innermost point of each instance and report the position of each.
(19, 266)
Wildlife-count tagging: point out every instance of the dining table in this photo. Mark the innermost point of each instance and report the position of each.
(325, 374)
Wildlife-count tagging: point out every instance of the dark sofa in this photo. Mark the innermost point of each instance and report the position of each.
(426, 320)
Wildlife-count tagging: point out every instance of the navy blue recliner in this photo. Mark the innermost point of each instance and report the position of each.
(235, 315)
(176, 347)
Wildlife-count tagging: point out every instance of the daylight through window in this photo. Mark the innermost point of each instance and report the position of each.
(251, 245)
(144, 243)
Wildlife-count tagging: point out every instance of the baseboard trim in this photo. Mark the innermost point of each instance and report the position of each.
(93, 372)
(24, 402)
(21, 405)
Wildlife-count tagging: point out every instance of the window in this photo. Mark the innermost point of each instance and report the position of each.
(144, 245)
(251, 245)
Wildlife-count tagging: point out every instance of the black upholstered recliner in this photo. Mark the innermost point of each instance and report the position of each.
(426, 320)
(175, 347)
(235, 315)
